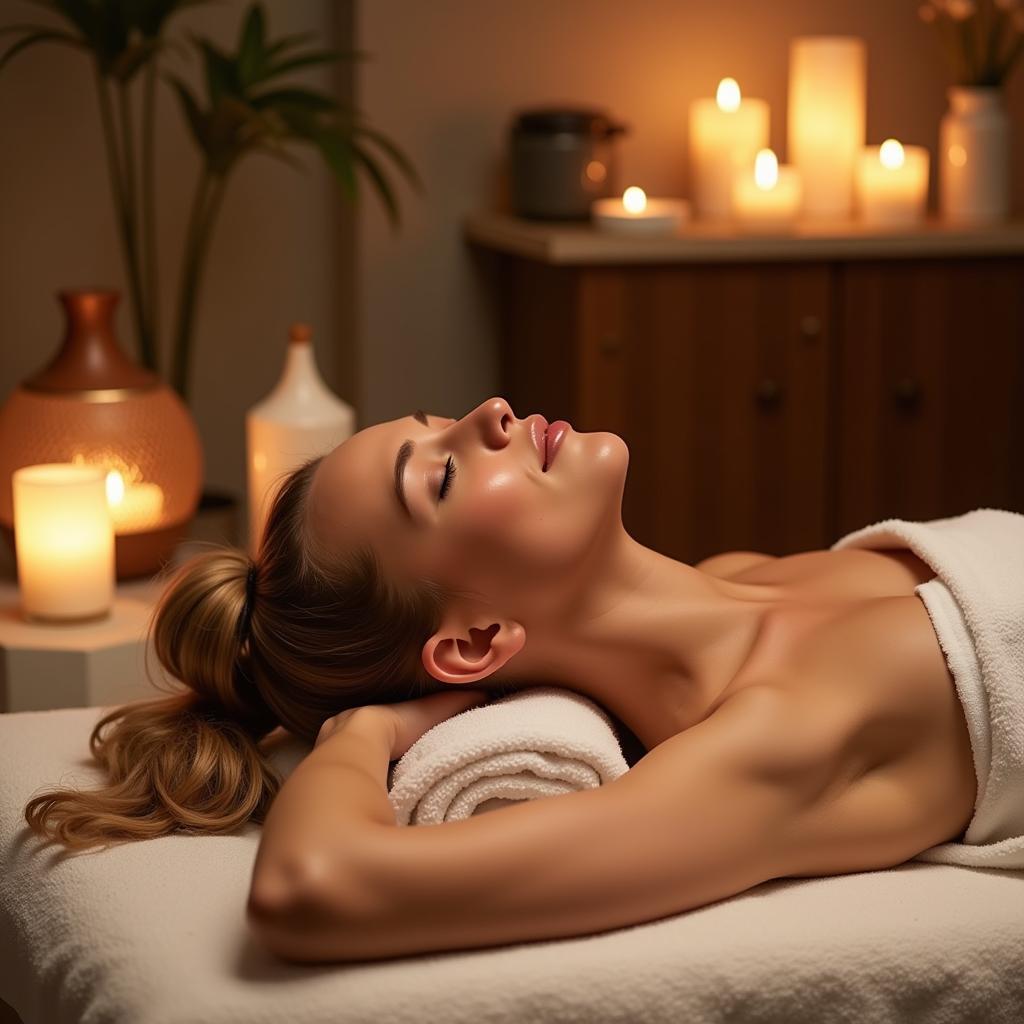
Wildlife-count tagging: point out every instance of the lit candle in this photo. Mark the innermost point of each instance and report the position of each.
(134, 507)
(826, 120)
(769, 198)
(635, 214)
(64, 541)
(892, 183)
(725, 134)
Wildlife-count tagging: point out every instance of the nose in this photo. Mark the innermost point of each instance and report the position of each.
(492, 418)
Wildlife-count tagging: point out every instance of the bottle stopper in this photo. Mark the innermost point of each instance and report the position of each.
(299, 332)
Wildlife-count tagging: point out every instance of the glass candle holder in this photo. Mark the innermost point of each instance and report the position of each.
(64, 541)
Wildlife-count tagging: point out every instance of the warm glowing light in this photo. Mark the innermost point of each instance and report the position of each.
(596, 171)
(890, 154)
(115, 487)
(634, 199)
(728, 95)
(957, 155)
(133, 507)
(766, 169)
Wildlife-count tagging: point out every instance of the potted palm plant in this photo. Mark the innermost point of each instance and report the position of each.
(248, 103)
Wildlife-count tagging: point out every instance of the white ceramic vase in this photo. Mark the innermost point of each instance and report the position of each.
(299, 419)
(974, 157)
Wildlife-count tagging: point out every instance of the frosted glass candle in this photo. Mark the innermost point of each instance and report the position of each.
(634, 214)
(64, 541)
(766, 198)
(892, 184)
(826, 120)
(725, 134)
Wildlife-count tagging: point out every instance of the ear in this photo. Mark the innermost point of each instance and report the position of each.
(456, 654)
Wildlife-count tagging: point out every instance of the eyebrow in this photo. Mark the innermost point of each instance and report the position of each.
(404, 454)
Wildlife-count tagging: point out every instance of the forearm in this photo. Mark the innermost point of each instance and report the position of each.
(325, 808)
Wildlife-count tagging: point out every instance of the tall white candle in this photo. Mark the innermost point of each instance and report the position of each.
(725, 134)
(826, 120)
(892, 183)
(64, 541)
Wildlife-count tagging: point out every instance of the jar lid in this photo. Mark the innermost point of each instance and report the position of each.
(578, 121)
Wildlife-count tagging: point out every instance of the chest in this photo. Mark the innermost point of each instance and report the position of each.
(873, 692)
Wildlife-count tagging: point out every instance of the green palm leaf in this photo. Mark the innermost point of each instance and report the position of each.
(250, 46)
(43, 35)
(304, 98)
(403, 163)
(379, 180)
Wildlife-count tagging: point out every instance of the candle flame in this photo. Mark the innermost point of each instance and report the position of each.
(728, 95)
(115, 488)
(891, 154)
(634, 199)
(766, 170)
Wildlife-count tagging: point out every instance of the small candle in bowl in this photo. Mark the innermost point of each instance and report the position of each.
(892, 183)
(768, 197)
(635, 214)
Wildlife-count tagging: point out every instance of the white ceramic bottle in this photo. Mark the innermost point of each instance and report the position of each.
(299, 419)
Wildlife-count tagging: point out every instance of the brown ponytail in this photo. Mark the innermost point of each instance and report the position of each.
(320, 634)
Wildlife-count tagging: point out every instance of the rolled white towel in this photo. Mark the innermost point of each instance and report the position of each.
(537, 742)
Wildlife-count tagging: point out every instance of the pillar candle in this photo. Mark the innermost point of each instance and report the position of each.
(826, 120)
(725, 134)
(767, 198)
(892, 183)
(64, 541)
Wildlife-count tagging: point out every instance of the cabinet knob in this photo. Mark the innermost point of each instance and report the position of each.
(609, 343)
(810, 328)
(907, 393)
(768, 393)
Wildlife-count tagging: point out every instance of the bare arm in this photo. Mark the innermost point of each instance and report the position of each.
(709, 813)
(687, 825)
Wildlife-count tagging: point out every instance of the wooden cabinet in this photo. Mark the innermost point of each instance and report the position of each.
(774, 403)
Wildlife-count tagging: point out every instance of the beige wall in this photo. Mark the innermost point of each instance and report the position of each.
(444, 80)
(281, 250)
(448, 75)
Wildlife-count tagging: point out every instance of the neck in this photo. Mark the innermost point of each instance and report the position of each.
(654, 641)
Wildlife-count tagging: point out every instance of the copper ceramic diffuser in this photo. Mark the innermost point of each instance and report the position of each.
(93, 405)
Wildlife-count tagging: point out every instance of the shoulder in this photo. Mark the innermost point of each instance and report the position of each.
(731, 562)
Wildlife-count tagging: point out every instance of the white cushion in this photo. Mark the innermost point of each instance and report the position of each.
(154, 932)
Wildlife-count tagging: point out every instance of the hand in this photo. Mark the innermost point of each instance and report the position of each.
(408, 720)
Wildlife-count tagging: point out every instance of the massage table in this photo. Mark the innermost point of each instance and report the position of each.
(154, 932)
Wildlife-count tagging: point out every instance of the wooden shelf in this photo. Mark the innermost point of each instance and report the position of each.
(581, 244)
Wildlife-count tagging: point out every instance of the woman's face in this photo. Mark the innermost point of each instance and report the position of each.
(514, 535)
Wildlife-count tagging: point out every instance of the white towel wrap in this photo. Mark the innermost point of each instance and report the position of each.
(976, 605)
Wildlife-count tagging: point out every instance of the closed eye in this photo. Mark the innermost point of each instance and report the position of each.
(449, 473)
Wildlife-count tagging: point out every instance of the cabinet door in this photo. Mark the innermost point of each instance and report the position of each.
(931, 389)
(715, 376)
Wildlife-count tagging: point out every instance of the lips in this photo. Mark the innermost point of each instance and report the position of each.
(553, 439)
(537, 426)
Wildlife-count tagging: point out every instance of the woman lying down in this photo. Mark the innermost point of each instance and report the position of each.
(798, 713)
